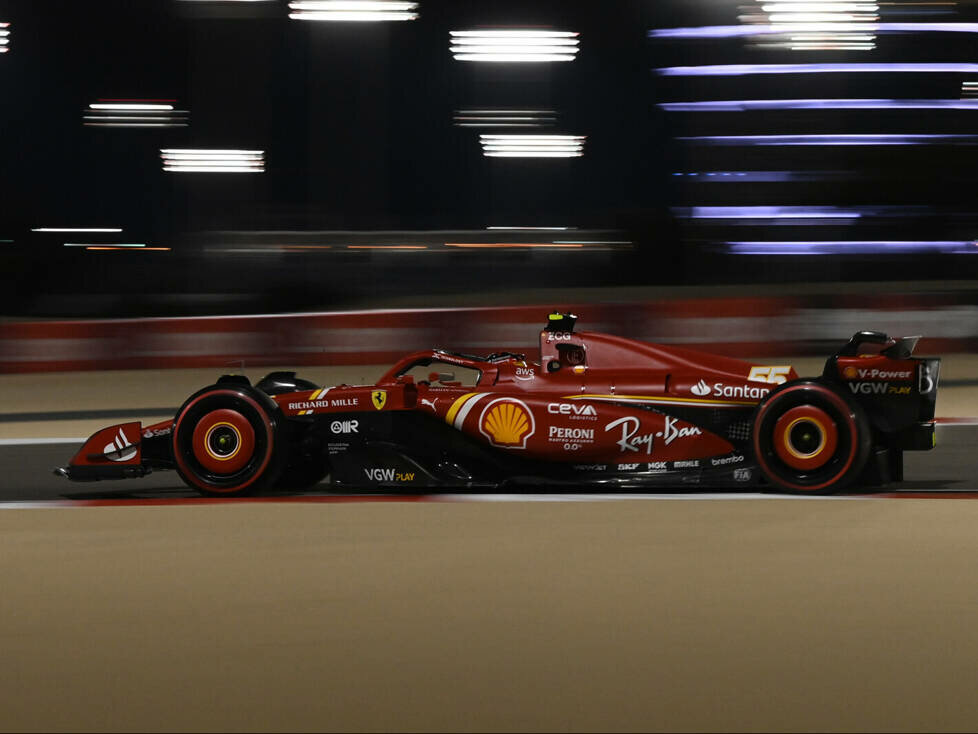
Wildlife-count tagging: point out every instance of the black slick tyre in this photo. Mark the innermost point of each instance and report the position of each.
(226, 441)
(808, 438)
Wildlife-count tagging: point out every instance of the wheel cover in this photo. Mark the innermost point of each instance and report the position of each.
(805, 437)
(223, 441)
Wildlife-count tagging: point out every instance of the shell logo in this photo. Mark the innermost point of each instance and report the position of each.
(850, 373)
(507, 423)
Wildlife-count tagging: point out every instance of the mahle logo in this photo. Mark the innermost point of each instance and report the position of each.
(700, 388)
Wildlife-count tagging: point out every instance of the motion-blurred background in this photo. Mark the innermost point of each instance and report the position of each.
(194, 157)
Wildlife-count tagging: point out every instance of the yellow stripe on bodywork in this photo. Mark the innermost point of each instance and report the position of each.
(656, 399)
(457, 406)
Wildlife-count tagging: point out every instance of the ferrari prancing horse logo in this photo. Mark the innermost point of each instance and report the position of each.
(379, 399)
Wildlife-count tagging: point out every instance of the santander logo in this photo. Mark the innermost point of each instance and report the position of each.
(700, 388)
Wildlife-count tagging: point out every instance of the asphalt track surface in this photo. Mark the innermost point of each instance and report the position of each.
(951, 468)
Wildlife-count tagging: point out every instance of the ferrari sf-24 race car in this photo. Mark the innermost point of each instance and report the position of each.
(596, 411)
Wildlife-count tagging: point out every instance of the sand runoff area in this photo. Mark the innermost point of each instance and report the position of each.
(645, 615)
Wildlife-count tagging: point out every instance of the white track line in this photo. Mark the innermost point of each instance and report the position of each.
(38, 441)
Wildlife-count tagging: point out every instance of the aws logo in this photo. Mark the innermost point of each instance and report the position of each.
(507, 423)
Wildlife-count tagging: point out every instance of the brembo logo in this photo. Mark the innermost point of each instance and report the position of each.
(120, 449)
(700, 388)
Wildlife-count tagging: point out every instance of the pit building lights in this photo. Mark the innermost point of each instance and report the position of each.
(4, 37)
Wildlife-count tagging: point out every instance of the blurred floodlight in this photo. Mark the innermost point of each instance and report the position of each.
(853, 68)
(969, 90)
(4, 37)
(514, 45)
(734, 31)
(856, 139)
(767, 212)
(827, 25)
(77, 229)
(532, 229)
(185, 160)
(504, 118)
(820, 104)
(353, 10)
(852, 247)
(101, 244)
(532, 146)
(137, 113)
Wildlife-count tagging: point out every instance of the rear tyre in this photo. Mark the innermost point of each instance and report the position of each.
(225, 441)
(809, 439)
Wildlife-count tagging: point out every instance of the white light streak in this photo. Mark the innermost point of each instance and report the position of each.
(504, 118)
(202, 160)
(101, 244)
(77, 229)
(128, 106)
(353, 10)
(532, 229)
(134, 113)
(520, 46)
(532, 146)
(825, 25)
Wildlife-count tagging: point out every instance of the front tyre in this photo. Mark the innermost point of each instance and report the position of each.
(225, 441)
(809, 439)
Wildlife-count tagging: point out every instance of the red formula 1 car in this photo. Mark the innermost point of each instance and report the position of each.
(595, 410)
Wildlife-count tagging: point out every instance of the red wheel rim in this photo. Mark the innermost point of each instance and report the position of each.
(805, 437)
(845, 414)
(188, 467)
(223, 441)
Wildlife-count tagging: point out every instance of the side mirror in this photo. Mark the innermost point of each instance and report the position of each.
(441, 377)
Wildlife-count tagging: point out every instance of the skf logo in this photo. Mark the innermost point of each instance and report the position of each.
(379, 399)
(507, 423)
